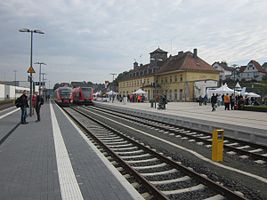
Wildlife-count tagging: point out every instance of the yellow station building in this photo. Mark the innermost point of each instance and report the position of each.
(173, 76)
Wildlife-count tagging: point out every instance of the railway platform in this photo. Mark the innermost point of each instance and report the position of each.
(244, 125)
(52, 159)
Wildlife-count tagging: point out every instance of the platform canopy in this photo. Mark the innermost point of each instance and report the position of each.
(223, 90)
(139, 91)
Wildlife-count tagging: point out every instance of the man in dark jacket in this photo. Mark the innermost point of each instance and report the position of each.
(23, 103)
(39, 102)
(213, 102)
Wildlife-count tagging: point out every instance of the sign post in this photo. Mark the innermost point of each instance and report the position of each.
(30, 71)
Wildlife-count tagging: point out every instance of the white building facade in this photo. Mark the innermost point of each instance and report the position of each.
(253, 71)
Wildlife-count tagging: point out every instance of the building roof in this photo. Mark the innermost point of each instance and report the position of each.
(258, 66)
(224, 66)
(242, 69)
(185, 61)
(158, 50)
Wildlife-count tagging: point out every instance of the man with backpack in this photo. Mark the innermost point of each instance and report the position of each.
(22, 102)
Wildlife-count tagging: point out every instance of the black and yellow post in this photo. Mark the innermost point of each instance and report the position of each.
(217, 144)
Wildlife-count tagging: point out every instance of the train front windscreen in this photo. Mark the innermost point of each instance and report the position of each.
(65, 92)
(87, 92)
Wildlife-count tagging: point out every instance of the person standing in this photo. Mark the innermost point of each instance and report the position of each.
(23, 104)
(34, 101)
(226, 102)
(213, 102)
(39, 102)
(232, 100)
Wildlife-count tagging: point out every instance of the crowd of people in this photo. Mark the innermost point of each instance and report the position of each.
(231, 102)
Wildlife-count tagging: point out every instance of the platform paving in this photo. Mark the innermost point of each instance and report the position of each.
(33, 167)
(246, 125)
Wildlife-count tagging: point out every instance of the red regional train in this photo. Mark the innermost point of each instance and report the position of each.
(63, 96)
(82, 95)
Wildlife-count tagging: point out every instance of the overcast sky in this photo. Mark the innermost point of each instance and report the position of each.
(87, 40)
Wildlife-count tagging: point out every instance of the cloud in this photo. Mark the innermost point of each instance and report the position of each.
(90, 39)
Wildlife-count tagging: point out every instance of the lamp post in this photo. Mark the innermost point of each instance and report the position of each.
(15, 71)
(40, 72)
(113, 74)
(43, 79)
(31, 31)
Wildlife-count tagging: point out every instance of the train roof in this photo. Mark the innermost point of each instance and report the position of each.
(64, 87)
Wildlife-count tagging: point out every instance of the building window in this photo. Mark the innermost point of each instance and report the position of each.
(181, 78)
(181, 94)
(170, 95)
(170, 79)
(175, 78)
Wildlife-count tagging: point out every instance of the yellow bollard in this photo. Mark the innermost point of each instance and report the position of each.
(217, 144)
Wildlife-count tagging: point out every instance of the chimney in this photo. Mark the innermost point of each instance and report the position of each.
(195, 53)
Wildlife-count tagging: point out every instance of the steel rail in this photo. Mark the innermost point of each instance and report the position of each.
(152, 189)
(206, 181)
(240, 151)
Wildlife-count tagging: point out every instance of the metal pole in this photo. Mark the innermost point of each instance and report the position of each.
(43, 81)
(15, 82)
(234, 83)
(113, 74)
(31, 77)
(31, 83)
(40, 78)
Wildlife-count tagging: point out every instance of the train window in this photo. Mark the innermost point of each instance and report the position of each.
(65, 92)
(87, 92)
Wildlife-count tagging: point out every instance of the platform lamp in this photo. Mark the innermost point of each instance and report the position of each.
(43, 79)
(31, 31)
(40, 72)
(15, 72)
(113, 74)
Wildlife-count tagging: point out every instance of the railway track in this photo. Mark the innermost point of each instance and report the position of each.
(233, 147)
(6, 105)
(153, 174)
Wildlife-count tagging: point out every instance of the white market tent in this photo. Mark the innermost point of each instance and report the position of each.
(237, 85)
(111, 93)
(223, 90)
(97, 93)
(252, 94)
(139, 91)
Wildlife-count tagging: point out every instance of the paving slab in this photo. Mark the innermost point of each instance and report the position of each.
(33, 164)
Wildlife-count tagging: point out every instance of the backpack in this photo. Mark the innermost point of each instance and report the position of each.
(18, 102)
